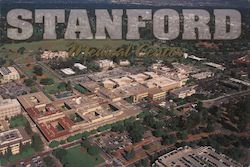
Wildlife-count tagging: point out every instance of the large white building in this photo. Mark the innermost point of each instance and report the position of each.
(8, 74)
(183, 92)
(80, 66)
(50, 55)
(105, 64)
(189, 157)
(9, 108)
(202, 75)
(68, 71)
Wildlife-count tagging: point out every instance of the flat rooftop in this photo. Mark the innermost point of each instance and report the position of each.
(50, 130)
(48, 109)
(111, 94)
(189, 157)
(13, 136)
(115, 73)
(159, 82)
(33, 100)
(182, 89)
(123, 81)
(153, 91)
(68, 71)
(139, 77)
(109, 82)
(90, 86)
(7, 102)
(8, 70)
(131, 89)
(83, 103)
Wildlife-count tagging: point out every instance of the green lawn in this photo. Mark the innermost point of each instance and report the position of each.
(9, 51)
(49, 89)
(19, 120)
(64, 44)
(78, 157)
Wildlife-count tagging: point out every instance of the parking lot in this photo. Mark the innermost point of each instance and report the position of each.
(34, 162)
(13, 89)
(113, 141)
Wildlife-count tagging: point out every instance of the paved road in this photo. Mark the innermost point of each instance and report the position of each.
(224, 99)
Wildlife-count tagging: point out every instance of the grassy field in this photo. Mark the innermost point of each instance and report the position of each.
(64, 44)
(10, 51)
(78, 157)
(50, 89)
(19, 120)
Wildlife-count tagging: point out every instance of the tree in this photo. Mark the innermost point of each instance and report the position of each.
(29, 82)
(168, 139)
(103, 128)
(33, 89)
(68, 86)
(159, 133)
(38, 70)
(70, 138)
(85, 135)
(8, 153)
(146, 147)
(24, 147)
(2, 61)
(60, 154)
(129, 154)
(248, 71)
(118, 127)
(21, 50)
(153, 122)
(47, 81)
(54, 144)
(148, 61)
(182, 135)
(210, 127)
(93, 150)
(136, 131)
(37, 143)
(28, 128)
(93, 67)
(62, 142)
(193, 120)
(62, 86)
(49, 161)
(34, 78)
(86, 144)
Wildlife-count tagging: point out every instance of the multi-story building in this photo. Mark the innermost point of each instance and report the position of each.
(187, 157)
(12, 139)
(4, 125)
(156, 94)
(59, 119)
(164, 83)
(9, 108)
(202, 75)
(8, 74)
(183, 92)
(50, 55)
(124, 63)
(104, 64)
(80, 66)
